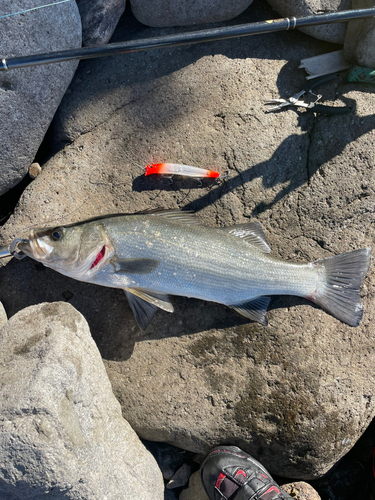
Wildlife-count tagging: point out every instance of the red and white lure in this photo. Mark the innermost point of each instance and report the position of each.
(170, 169)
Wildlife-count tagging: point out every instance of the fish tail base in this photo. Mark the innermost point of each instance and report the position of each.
(340, 294)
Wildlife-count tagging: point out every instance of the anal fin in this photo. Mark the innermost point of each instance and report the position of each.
(254, 309)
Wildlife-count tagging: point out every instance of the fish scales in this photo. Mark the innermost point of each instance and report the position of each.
(204, 262)
(152, 255)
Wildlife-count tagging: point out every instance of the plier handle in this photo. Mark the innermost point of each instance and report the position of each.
(295, 100)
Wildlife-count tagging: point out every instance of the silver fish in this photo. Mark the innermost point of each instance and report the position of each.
(156, 253)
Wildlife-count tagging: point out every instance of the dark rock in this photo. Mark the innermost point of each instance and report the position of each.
(180, 478)
(168, 457)
(170, 495)
(347, 481)
(99, 20)
(30, 96)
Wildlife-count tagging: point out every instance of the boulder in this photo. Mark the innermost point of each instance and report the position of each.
(161, 13)
(99, 20)
(332, 32)
(61, 430)
(359, 46)
(30, 96)
(295, 394)
(301, 491)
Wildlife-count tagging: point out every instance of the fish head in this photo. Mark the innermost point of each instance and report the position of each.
(78, 251)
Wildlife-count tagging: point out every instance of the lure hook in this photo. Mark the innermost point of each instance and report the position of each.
(169, 177)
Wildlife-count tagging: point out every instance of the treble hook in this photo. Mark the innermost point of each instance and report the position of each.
(169, 177)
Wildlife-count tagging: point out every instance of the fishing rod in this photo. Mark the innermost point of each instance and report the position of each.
(208, 35)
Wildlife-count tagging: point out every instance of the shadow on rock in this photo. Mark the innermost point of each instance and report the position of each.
(102, 86)
(342, 129)
(158, 183)
(107, 311)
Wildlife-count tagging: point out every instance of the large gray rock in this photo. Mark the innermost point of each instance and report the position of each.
(99, 20)
(332, 32)
(295, 394)
(3, 316)
(30, 96)
(160, 13)
(359, 46)
(62, 435)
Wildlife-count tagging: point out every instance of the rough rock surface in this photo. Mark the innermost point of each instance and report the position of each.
(333, 32)
(195, 491)
(301, 491)
(295, 394)
(30, 96)
(3, 316)
(99, 19)
(61, 430)
(359, 46)
(161, 13)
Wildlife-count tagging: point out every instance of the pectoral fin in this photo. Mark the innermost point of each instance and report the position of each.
(135, 266)
(144, 305)
(254, 309)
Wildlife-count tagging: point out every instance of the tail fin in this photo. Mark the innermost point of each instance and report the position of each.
(344, 274)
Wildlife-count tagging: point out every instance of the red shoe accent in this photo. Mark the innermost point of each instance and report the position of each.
(243, 473)
(271, 493)
(220, 480)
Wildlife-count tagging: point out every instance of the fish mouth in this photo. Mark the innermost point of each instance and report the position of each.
(38, 249)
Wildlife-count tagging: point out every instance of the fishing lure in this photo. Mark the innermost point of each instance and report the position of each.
(170, 169)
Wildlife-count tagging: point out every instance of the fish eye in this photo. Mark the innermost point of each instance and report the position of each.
(56, 234)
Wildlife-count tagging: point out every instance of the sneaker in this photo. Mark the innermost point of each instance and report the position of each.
(228, 473)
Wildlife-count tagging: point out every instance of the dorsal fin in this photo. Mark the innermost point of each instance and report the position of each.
(252, 233)
(183, 216)
(186, 216)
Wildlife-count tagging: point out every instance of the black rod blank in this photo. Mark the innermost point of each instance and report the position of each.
(207, 35)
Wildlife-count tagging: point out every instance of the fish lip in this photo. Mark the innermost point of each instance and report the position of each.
(35, 248)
